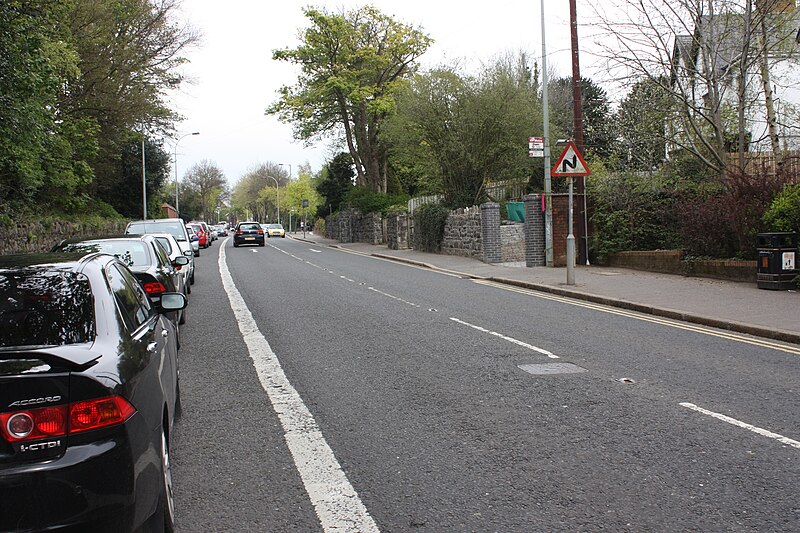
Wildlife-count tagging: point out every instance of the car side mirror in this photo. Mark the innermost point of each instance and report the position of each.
(195, 238)
(180, 261)
(188, 253)
(172, 301)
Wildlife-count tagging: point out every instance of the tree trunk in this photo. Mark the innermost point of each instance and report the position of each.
(769, 102)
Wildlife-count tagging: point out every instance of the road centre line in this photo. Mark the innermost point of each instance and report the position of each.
(373, 289)
(335, 500)
(764, 343)
(509, 339)
(763, 432)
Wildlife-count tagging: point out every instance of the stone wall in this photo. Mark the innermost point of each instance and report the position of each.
(462, 233)
(353, 226)
(397, 231)
(512, 243)
(36, 237)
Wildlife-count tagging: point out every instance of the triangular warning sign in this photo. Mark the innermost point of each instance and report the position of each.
(571, 163)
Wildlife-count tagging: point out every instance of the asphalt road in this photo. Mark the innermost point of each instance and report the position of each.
(325, 390)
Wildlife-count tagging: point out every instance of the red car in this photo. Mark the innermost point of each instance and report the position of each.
(198, 229)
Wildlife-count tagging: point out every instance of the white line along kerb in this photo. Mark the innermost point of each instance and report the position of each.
(335, 500)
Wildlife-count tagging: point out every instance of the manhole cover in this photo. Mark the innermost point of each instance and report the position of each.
(552, 368)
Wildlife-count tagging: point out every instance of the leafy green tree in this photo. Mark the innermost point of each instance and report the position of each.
(641, 123)
(336, 180)
(247, 197)
(598, 131)
(36, 62)
(464, 130)
(784, 212)
(123, 189)
(129, 53)
(353, 64)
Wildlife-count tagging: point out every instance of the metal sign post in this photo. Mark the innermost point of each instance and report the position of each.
(570, 165)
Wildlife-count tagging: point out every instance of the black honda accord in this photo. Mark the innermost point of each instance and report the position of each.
(88, 394)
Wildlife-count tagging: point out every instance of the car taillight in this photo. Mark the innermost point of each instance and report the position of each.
(98, 413)
(155, 287)
(261, 232)
(57, 421)
(239, 232)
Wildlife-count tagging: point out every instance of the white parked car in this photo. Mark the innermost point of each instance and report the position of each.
(173, 249)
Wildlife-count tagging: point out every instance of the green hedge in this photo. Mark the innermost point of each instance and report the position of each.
(429, 222)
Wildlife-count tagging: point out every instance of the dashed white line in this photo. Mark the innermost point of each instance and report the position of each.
(763, 432)
(373, 289)
(507, 338)
(335, 500)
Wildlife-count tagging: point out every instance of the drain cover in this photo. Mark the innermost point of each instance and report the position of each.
(552, 368)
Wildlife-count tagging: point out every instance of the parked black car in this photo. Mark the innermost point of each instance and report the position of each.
(248, 233)
(147, 259)
(88, 394)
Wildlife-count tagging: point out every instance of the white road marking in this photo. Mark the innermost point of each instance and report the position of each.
(373, 289)
(335, 500)
(733, 421)
(315, 251)
(509, 339)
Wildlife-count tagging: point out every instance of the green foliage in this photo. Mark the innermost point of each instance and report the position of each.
(452, 131)
(640, 123)
(429, 223)
(353, 64)
(336, 181)
(368, 201)
(632, 212)
(784, 212)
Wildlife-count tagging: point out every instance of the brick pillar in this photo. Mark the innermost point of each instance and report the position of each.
(490, 233)
(534, 231)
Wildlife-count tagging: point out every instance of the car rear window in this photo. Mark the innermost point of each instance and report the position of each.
(45, 309)
(250, 226)
(132, 253)
(175, 229)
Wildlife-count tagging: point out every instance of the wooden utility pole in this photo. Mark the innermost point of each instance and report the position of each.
(577, 136)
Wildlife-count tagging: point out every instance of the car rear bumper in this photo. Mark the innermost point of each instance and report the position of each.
(248, 240)
(92, 487)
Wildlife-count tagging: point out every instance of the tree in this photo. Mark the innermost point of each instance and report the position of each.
(641, 123)
(208, 183)
(352, 66)
(468, 129)
(247, 195)
(336, 180)
(129, 53)
(36, 62)
(701, 54)
(598, 138)
(123, 189)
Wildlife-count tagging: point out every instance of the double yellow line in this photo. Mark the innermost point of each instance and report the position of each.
(755, 341)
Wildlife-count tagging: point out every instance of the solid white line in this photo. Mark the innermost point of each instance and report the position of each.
(509, 339)
(335, 500)
(733, 421)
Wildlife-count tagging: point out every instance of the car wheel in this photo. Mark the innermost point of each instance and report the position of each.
(235, 245)
(191, 280)
(197, 253)
(166, 507)
(183, 317)
(261, 244)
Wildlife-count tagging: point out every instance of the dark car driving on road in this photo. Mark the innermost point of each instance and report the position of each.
(248, 233)
(88, 394)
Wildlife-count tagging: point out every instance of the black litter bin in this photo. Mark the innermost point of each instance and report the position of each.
(777, 260)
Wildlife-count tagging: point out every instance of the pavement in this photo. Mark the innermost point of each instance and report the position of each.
(735, 306)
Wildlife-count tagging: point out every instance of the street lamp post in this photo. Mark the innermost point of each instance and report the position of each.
(278, 194)
(144, 185)
(290, 168)
(175, 159)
